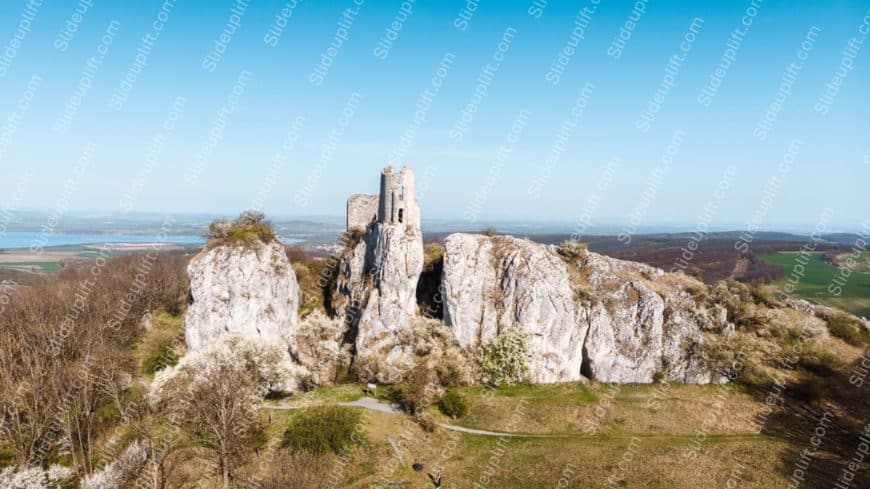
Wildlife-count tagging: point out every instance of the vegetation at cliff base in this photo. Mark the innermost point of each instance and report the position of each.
(452, 404)
(162, 344)
(326, 429)
(505, 359)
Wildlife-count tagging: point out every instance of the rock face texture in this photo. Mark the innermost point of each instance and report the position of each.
(494, 283)
(379, 283)
(642, 323)
(588, 315)
(247, 290)
(362, 210)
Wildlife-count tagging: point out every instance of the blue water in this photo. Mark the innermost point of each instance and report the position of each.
(19, 239)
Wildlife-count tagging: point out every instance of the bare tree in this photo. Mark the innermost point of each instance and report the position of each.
(60, 363)
(215, 393)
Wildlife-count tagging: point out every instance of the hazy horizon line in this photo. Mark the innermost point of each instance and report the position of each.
(601, 227)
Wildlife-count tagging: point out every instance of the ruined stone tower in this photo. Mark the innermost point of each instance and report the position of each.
(396, 203)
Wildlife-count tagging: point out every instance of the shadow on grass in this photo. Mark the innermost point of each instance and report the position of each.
(821, 417)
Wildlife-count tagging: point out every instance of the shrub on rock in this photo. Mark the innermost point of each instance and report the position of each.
(249, 228)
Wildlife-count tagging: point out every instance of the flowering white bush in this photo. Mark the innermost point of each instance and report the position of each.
(35, 477)
(120, 472)
(318, 346)
(428, 344)
(505, 359)
(266, 365)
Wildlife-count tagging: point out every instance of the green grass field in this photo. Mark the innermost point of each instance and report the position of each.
(34, 266)
(651, 436)
(818, 276)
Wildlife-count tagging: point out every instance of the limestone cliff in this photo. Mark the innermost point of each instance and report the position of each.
(587, 315)
(494, 283)
(643, 322)
(378, 283)
(250, 290)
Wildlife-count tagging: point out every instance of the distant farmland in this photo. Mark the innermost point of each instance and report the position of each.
(33, 267)
(818, 275)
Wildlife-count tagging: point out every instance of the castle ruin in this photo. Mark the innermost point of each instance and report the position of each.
(396, 203)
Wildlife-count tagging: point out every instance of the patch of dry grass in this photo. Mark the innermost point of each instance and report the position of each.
(655, 440)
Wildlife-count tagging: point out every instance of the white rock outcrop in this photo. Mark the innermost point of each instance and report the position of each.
(643, 322)
(379, 283)
(625, 335)
(247, 290)
(590, 316)
(494, 283)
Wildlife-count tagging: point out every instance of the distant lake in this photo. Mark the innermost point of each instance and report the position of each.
(22, 239)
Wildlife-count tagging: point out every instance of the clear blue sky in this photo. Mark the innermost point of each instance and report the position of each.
(831, 169)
